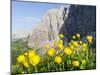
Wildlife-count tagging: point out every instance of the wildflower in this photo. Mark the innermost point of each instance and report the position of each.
(61, 35)
(84, 45)
(84, 61)
(84, 49)
(20, 58)
(60, 46)
(69, 43)
(72, 41)
(67, 51)
(51, 52)
(58, 59)
(71, 47)
(74, 37)
(35, 60)
(25, 63)
(75, 63)
(80, 42)
(78, 35)
(23, 72)
(31, 53)
(75, 43)
(47, 46)
(89, 39)
(26, 54)
(61, 41)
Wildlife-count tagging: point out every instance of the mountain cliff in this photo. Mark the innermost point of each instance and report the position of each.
(48, 29)
(71, 19)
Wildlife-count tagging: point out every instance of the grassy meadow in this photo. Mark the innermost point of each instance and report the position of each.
(75, 54)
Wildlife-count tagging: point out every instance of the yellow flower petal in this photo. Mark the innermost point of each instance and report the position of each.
(26, 54)
(74, 37)
(67, 51)
(61, 35)
(89, 39)
(78, 35)
(25, 63)
(60, 46)
(84, 61)
(20, 58)
(51, 52)
(61, 41)
(71, 47)
(80, 42)
(58, 59)
(31, 53)
(75, 43)
(35, 60)
(84, 45)
(47, 46)
(75, 63)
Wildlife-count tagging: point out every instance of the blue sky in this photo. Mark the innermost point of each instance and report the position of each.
(26, 15)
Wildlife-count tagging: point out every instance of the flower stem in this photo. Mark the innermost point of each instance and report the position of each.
(48, 65)
(63, 66)
(36, 69)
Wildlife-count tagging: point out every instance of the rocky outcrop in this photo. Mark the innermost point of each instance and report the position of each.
(48, 29)
(71, 19)
(81, 19)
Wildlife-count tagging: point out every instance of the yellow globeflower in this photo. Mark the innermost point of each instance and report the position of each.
(74, 37)
(31, 53)
(22, 72)
(84, 45)
(26, 53)
(89, 38)
(67, 51)
(84, 49)
(21, 58)
(58, 59)
(75, 63)
(35, 60)
(84, 61)
(72, 41)
(25, 63)
(69, 44)
(80, 42)
(61, 35)
(51, 52)
(90, 41)
(75, 43)
(61, 41)
(71, 47)
(60, 46)
(47, 46)
(78, 35)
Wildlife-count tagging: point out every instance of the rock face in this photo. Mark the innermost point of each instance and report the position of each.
(48, 29)
(71, 19)
(81, 19)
